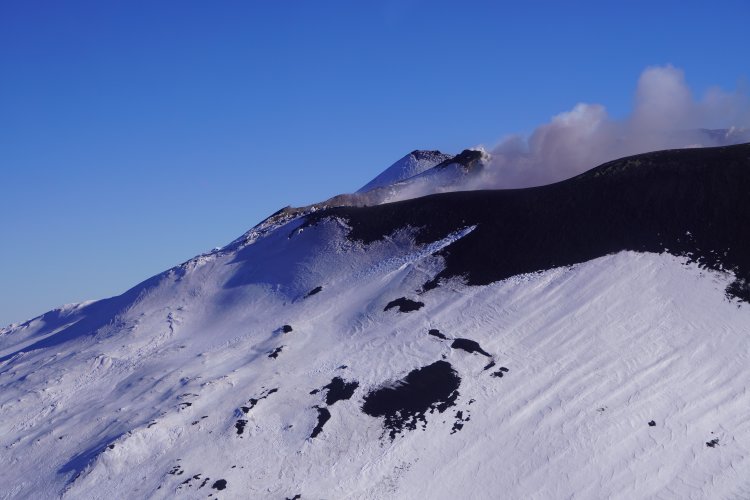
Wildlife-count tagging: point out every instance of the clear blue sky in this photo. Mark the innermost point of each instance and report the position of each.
(134, 135)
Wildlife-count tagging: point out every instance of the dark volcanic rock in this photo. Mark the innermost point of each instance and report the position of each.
(469, 346)
(240, 426)
(323, 416)
(436, 333)
(220, 484)
(404, 404)
(459, 423)
(312, 292)
(338, 390)
(645, 203)
(740, 289)
(275, 353)
(404, 305)
(468, 159)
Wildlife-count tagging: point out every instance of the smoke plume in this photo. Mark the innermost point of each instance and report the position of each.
(665, 115)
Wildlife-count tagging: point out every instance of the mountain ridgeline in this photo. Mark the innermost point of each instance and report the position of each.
(347, 350)
(688, 202)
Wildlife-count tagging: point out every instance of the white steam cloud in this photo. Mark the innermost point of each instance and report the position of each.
(665, 115)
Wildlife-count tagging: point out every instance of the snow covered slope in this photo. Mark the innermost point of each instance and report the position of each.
(586, 339)
(410, 165)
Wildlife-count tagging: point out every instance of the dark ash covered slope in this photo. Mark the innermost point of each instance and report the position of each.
(690, 202)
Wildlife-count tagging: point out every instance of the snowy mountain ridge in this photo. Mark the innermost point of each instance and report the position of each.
(410, 165)
(586, 338)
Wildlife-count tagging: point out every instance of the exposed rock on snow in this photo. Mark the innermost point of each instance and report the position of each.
(404, 305)
(470, 346)
(403, 404)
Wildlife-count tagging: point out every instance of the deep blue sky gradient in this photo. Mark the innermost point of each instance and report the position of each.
(134, 135)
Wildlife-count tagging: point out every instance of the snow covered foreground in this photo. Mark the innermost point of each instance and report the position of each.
(212, 378)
